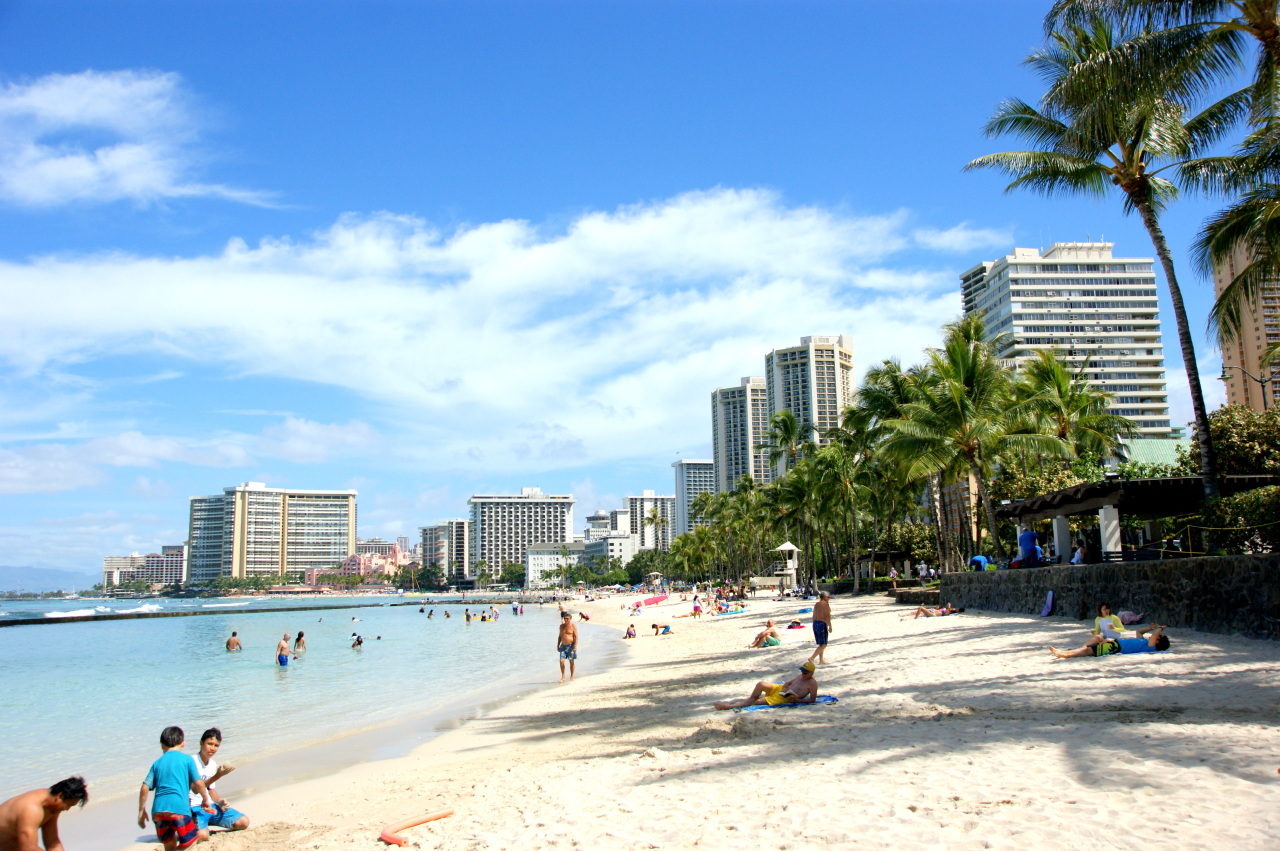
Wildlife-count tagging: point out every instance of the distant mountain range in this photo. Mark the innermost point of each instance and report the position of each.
(38, 579)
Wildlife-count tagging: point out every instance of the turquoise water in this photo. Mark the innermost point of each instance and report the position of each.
(91, 698)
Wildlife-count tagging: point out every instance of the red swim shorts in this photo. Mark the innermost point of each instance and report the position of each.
(176, 827)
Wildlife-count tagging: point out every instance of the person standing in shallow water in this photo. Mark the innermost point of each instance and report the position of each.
(233, 643)
(567, 644)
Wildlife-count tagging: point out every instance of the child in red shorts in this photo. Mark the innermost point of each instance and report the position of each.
(172, 776)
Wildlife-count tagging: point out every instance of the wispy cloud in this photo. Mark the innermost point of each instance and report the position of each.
(500, 346)
(101, 136)
(963, 239)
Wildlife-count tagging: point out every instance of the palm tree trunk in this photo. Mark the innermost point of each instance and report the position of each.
(986, 507)
(1208, 464)
(935, 508)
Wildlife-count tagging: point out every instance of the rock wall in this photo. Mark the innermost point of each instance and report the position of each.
(1226, 594)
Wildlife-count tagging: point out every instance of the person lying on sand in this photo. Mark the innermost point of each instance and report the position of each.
(939, 612)
(768, 637)
(803, 689)
(1150, 639)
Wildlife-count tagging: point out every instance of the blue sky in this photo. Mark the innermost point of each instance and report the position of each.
(430, 249)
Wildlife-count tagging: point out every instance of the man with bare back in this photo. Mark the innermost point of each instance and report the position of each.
(36, 813)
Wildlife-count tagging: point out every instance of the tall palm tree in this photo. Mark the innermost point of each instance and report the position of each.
(654, 520)
(1091, 141)
(1066, 405)
(787, 439)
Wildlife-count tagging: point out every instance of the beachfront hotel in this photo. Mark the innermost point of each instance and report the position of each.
(640, 509)
(1259, 328)
(1079, 300)
(541, 559)
(252, 530)
(167, 567)
(814, 381)
(739, 421)
(503, 527)
(692, 478)
(447, 545)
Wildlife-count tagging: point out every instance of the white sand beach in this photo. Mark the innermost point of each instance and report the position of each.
(959, 732)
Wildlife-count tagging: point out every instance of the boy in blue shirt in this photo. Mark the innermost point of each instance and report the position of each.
(1150, 639)
(172, 777)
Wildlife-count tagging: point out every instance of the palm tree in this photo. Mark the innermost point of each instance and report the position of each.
(960, 422)
(1064, 404)
(655, 521)
(787, 439)
(1090, 141)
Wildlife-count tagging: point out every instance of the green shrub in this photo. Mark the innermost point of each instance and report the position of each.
(1246, 522)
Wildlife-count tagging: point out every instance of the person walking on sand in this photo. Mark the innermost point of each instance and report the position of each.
(282, 651)
(567, 644)
(802, 689)
(821, 626)
(36, 812)
(233, 643)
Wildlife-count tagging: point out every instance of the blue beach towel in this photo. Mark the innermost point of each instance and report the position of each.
(821, 699)
(804, 611)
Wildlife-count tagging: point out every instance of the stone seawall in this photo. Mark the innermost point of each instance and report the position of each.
(1227, 594)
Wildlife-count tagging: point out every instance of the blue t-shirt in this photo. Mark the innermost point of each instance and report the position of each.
(1135, 645)
(1027, 542)
(170, 778)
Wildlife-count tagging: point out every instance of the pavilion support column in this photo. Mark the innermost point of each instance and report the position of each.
(1109, 526)
(1062, 538)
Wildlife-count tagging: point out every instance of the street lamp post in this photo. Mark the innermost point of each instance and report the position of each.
(1262, 382)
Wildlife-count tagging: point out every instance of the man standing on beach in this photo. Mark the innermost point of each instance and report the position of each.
(36, 812)
(567, 644)
(821, 626)
(282, 651)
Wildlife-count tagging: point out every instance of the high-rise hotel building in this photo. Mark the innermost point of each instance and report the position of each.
(692, 478)
(1086, 304)
(739, 421)
(813, 380)
(447, 545)
(252, 530)
(504, 527)
(642, 511)
(1259, 328)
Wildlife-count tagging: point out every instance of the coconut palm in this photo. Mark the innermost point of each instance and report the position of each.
(1063, 403)
(787, 439)
(655, 521)
(1089, 145)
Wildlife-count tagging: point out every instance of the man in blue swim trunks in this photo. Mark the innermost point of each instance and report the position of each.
(282, 651)
(567, 644)
(821, 626)
(1150, 639)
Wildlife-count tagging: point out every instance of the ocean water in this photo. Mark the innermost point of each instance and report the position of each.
(91, 698)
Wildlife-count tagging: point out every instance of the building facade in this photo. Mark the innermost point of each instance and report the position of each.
(375, 546)
(1091, 308)
(642, 511)
(814, 381)
(692, 478)
(616, 545)
(543, 559)
(252, 530)
(1260, 328)
(167, 567)
(739, 421)
(503, 527)
(447, 545)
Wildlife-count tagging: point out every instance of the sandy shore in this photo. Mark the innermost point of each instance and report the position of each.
(960, 731)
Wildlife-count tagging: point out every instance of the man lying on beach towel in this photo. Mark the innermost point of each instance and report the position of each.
(803, 689)
(1150, 639)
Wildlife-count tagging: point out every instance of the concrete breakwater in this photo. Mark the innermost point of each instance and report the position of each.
(1223, 594)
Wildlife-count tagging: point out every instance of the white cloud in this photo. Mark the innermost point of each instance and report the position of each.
(101, 136)
(499, 347)
(963, 239)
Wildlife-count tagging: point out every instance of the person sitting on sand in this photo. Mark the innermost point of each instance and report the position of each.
(661, 628)
(768, 637)
(939, 612)
(35, 813)
(223, 816)
(631, 631)
(1106, 624)
(1149, 639)
(803, 689)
